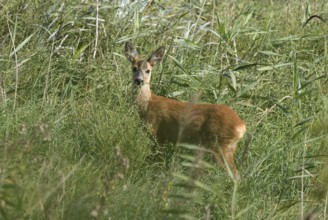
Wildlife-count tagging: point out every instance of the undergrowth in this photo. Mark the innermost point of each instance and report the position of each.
(73, 147)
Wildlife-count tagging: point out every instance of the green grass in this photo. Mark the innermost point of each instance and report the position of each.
(73, 147)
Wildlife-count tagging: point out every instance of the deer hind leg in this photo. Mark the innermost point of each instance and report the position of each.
(224, 154)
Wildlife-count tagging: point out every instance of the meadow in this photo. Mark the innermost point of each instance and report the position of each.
(72, 145)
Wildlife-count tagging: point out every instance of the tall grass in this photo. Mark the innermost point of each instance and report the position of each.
(73, 147)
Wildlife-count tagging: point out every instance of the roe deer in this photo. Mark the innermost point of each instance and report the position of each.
(213, 126)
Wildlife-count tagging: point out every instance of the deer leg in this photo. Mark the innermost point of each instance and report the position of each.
(224, 154)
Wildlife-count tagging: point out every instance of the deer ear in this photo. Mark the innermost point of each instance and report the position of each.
(157, 56)
(130, 52)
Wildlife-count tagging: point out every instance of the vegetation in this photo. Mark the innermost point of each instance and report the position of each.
(73, 147)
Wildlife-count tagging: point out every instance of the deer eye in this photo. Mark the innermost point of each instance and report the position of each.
(147, 71)
(134, 69)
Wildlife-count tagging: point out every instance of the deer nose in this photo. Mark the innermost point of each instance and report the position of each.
(138, 81)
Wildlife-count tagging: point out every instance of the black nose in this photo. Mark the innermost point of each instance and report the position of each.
(138, 81)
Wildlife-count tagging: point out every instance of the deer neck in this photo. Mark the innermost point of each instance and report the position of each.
(142, 98)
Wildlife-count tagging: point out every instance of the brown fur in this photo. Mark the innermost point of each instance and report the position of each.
(213, 126)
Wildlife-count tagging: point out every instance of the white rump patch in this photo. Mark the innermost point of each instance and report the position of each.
(240, 130)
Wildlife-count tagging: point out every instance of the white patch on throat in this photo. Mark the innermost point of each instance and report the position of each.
(143, 95)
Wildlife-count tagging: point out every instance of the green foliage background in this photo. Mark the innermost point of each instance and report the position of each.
(73, 147)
